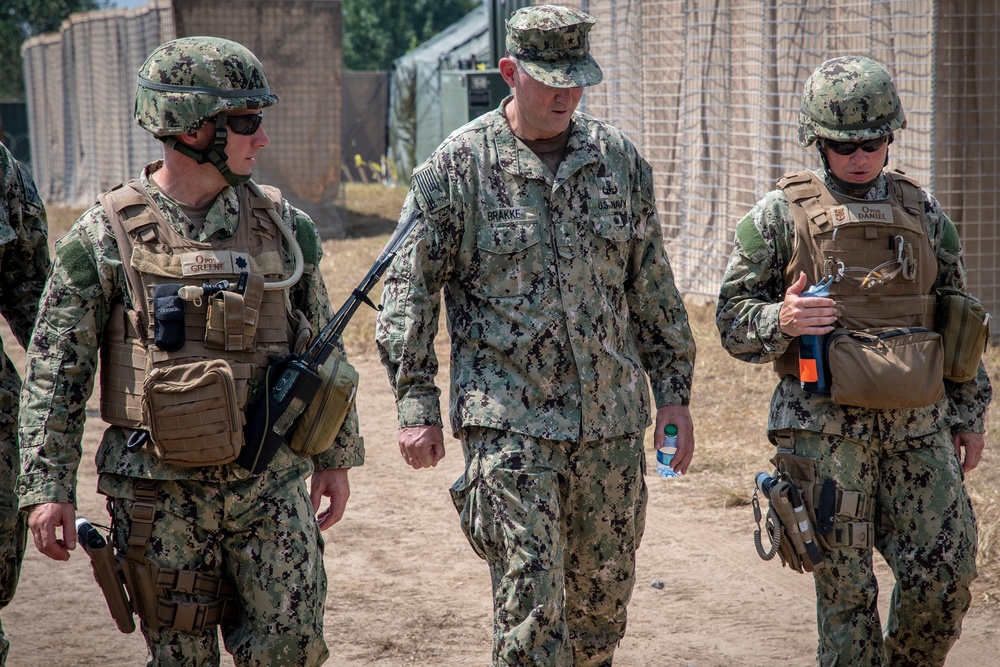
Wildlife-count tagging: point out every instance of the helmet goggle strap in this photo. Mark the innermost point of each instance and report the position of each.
(850, 188)
(215, 152)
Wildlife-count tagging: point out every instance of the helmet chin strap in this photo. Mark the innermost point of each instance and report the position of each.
(215, 152)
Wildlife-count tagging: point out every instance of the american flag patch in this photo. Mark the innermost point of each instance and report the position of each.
(430, 189)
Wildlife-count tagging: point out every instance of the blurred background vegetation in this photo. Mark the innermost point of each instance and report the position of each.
(376, 33)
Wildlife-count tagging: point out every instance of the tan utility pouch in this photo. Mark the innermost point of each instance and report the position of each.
(964, 326)
(323, 418)
(193, 415)
(886, 368)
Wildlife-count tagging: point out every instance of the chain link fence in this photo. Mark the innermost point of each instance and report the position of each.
(710, 91)
(81, 88)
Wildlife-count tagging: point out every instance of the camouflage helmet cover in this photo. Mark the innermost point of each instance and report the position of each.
(186, 81)
(552, 45)
(851, 98)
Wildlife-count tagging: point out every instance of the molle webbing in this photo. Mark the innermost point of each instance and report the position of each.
(832, 234)
(154, 253)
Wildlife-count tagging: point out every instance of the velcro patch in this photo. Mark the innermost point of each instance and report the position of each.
(305, 234)
(751, 241)
(205, 262)
(863, 213)
(950, 240)
(77, 262)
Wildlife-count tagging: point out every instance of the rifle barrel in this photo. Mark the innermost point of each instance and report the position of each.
(321, 346)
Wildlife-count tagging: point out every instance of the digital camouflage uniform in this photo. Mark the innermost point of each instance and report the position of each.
(24, 262)
(259, 531)
(903, 459)
(560, 301)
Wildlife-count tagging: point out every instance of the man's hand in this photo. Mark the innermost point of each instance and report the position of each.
(421, 446)
(679, 416)
(805, 315)
(973, 444)
(333, 484)
(43, 521)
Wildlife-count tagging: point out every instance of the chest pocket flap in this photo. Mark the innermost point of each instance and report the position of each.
(508, 237)
(614, 227)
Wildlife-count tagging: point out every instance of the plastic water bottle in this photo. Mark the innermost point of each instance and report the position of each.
(814, 375)
(665, 454)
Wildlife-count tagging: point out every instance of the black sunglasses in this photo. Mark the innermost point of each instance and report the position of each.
(848, 148)
(246, 125)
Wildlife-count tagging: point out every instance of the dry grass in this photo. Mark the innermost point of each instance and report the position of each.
(729, 401)
(729, 398)
(372, 213)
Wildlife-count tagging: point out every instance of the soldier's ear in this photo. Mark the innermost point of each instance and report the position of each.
(508, 70)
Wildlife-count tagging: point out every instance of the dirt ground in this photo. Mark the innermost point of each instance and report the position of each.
(406, 589)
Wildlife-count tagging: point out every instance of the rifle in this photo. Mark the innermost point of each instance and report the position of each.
(297, 379)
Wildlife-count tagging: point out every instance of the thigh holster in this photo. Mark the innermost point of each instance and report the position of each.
(841, 518)
(149, 584)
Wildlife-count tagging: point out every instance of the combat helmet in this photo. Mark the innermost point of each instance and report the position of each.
(188, 81)
(851, 98)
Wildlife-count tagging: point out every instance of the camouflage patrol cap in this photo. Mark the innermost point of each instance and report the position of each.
(186, 81)
(551, 43)
(851, 98)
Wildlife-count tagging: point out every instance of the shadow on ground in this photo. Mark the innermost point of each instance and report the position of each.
(361, 225)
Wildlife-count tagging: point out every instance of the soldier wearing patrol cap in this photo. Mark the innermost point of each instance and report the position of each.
(24, 263)
(539, 224)
(879, 465)
(186, 283)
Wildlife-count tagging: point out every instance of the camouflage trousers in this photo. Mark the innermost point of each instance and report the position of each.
(925, 529)
(262, 534)
(13, 524)
(559, 524)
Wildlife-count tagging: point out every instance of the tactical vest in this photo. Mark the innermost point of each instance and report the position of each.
(154, 253)
(883, 264)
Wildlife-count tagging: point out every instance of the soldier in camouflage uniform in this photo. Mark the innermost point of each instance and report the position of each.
(24, 263)
(218, 526)
(539, 224)
(902, 467)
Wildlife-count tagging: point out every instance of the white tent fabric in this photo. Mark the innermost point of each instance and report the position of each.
(415, 126)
